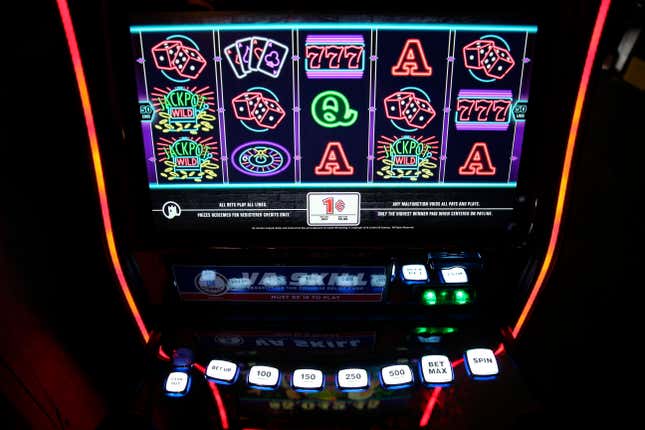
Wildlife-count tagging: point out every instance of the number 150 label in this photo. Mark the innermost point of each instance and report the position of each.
(330, 209)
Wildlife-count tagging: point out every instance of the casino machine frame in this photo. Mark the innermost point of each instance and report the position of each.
(329, 218)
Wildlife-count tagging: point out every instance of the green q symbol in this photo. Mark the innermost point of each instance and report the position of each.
(331, 109)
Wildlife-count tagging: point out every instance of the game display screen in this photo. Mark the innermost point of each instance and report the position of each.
(337, 125)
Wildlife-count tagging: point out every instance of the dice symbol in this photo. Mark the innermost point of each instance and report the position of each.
(243, 104)
(502, 65)
(192, 63)
(264, 111)
(164, 54)
(406, 106)
(173, 55)
(421, 113)
(396, 102)
(475, 52)
(484, 55)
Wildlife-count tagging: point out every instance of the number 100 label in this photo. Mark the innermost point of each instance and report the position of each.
(330, 209)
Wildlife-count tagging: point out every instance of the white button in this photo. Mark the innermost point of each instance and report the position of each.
(454, 275)
(352, 379)
(308, 379)
(264, 376)
(481, 362)
(397, 374)
(414, 272)
(436, 369)
(222, 370)
(177, 382)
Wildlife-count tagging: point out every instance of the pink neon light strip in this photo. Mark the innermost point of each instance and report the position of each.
(98, 167)
(216, 395)
(566, 168)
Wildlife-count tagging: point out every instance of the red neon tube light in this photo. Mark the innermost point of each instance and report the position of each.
(216, 396)
(72, 44)
(566, 168)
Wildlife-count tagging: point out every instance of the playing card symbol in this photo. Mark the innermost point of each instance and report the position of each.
(256, 54)
(272, 59)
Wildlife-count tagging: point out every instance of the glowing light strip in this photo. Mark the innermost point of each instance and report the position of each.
(434, 397)
(216, 395)
(566, 169)
(162, 354)
(334, 26)
(427, 413)
(98, 168)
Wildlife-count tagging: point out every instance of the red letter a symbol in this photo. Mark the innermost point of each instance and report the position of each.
(478, 162)
(334, 161)
(412, 61)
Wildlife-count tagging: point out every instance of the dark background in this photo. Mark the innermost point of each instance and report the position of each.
(55, 271)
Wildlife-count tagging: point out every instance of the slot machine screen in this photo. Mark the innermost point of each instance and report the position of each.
(302, 125)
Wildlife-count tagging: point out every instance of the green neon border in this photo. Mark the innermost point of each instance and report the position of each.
(332, 26)
(329, 185)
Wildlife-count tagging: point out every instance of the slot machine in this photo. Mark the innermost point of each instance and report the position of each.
(332, 220)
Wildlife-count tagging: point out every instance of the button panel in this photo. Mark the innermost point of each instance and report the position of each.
(414, 273)
(352, 379)
(264, 377)
(307, 379)
(396, 376)
(222, 371)
(481, 363)
(436, 370)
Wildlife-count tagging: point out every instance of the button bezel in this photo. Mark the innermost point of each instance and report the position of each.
(481, 376)
(263, 387)
(308, 389)
(353, 389)
(223, 381)
(395, 386)
(435, 357)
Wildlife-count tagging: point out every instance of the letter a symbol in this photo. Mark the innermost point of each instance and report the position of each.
(412, 61)
(478, 162)
(334, 161)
